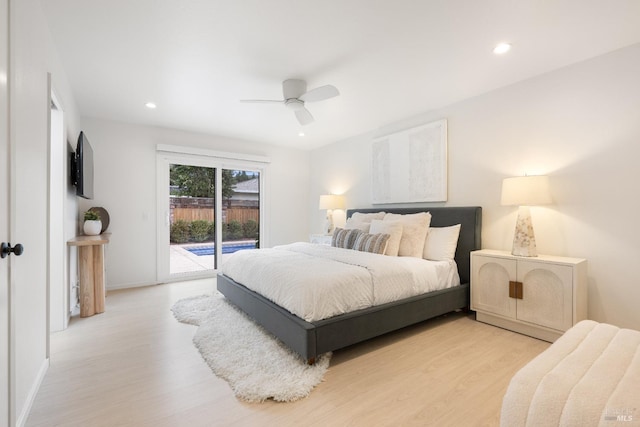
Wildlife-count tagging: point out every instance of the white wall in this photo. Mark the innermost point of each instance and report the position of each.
(32, 57)
(125, 185)
(581, 126)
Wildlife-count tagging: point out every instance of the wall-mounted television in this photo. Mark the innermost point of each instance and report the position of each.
(82, 167)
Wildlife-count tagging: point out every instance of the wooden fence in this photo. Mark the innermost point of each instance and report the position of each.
(195, 208)
(191, 214)
(242, 214)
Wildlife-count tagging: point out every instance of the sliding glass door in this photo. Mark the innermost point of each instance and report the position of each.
(207, 211)
(240, 210)
(192, 219)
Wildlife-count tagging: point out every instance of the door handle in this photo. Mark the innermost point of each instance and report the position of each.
(6, 249)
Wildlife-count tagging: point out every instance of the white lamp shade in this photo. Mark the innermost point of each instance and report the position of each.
(331, 201)
(526, 191)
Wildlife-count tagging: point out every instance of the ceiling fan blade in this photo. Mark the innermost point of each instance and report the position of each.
(261, 101)
(320, 93)
(304, 116)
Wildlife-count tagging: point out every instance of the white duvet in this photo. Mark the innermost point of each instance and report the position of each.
(316, 282)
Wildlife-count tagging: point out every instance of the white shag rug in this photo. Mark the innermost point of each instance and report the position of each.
(256, 364)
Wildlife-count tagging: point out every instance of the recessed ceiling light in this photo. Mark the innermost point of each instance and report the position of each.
(501, 48)
(150, 105)
(301, 134)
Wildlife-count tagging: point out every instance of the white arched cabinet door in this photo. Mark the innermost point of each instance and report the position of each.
(491, 277)
(547, 295)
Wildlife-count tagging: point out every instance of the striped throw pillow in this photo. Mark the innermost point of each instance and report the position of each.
(343, 238)
(375, 243)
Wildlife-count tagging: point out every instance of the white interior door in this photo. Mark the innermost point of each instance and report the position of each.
(29, 94)
(5, 391)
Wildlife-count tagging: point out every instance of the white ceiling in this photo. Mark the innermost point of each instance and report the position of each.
(390, 59)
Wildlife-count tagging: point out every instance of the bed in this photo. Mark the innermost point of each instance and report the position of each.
(590, 376)
(311, 339)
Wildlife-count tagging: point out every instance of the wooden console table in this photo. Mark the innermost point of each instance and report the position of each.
(91, 262)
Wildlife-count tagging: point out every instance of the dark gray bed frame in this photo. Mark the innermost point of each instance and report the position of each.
(311, 339)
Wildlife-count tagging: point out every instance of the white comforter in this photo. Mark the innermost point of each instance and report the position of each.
(316, 282)
(589, 377)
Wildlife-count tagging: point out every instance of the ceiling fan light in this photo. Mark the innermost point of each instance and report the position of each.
(294, 104)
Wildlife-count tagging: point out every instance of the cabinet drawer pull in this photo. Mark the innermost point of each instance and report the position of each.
(515, 290)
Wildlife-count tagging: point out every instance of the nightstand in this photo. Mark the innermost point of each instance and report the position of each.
(321, 239)
(539, 296)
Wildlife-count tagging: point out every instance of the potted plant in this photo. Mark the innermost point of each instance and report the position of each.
(92, 224)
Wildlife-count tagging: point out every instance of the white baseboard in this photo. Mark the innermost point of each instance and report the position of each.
(130, 285)
(31, 397)
(177, 278)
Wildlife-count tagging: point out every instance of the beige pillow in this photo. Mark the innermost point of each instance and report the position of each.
(393, 229)
(414, 232)
(357, 225)
(366, 217)
(441, 243)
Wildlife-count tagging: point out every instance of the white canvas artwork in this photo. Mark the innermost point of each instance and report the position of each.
(410, 166)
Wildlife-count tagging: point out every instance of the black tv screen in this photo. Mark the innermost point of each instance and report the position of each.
(83, 174)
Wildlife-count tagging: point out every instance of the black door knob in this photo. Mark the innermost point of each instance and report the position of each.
(6, 249)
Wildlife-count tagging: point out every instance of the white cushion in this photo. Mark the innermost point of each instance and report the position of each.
(393, 229)
(414, 232)
(441, 243)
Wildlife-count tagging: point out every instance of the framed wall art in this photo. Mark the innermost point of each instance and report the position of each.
(410, 166)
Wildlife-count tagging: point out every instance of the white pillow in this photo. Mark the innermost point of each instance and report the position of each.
(441, 243)
(366, 217)
(414, 232)
(393, 229)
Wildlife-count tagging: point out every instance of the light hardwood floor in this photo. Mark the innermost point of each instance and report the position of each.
(135, 365)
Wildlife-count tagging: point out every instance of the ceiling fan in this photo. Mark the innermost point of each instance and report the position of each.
(296, 94)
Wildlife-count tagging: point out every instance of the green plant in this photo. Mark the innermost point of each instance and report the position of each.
(91, 216)
(212, 229)
(250, 229)
(235, 230)
(199, 230)
(179, 232)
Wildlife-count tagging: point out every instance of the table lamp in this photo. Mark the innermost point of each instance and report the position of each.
(525, 191)
(330, 202)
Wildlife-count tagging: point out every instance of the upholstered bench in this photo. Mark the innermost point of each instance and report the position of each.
(590, 376)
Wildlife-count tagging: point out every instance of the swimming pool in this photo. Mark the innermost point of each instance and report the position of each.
(227, 248)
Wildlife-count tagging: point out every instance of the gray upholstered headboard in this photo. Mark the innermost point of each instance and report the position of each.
(470, 218)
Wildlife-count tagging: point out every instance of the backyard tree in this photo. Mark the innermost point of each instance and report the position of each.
(198, 181)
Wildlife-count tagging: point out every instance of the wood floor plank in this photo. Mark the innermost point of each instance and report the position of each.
(135, 365)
